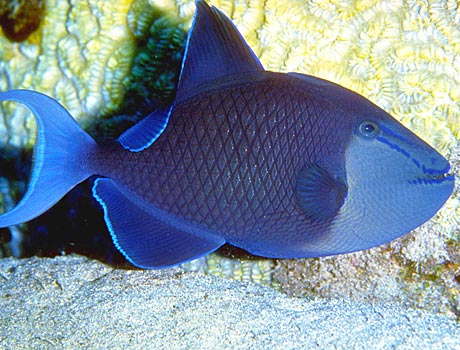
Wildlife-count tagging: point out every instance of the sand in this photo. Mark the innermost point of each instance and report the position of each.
(72, 302)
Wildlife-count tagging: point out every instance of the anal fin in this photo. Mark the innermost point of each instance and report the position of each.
(147, 236)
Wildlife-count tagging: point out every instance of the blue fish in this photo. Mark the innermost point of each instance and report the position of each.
(281, 165)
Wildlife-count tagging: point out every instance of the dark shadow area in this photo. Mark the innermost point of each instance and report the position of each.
(19, 19)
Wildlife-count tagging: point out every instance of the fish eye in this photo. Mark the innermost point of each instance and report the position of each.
(369, 129)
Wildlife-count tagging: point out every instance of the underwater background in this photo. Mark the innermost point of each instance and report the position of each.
(111, 63)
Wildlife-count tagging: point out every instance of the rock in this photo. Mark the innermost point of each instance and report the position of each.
(72, 302)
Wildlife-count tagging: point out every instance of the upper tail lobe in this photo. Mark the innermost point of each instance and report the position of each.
(59, 156)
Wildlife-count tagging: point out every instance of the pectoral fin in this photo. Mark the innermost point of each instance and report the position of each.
(319, 194)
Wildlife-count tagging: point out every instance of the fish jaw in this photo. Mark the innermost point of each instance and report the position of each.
(433, 177)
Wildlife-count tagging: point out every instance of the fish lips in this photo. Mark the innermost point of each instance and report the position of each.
(435, 177)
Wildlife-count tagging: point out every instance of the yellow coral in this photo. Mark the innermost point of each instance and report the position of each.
(80, 55)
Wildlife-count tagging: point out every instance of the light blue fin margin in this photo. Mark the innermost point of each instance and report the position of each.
(60, 151)
(145, 235)
(144, 133)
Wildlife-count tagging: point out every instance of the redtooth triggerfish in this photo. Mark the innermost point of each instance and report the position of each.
(281, 165)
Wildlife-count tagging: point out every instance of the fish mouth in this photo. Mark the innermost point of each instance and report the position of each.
(433, 177)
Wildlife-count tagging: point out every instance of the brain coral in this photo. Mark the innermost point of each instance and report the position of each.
(93, 55)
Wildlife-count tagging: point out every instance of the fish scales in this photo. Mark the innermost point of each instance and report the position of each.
(229, 159)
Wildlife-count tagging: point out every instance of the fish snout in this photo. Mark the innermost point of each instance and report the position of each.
(434, 169)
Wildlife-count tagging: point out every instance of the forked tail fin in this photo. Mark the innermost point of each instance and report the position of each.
(60, 152)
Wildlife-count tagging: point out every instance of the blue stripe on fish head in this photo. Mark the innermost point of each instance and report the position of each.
(396, 181)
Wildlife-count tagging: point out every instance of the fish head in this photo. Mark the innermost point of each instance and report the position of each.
(395, 181)
(384, 180)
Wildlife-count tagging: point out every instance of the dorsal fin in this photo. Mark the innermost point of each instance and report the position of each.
(214, 49)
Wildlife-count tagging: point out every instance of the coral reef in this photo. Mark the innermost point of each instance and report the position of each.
(71, 57)
(233, 263)
(102, 58)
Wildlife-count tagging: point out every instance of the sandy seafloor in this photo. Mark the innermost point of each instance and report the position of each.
(72, 302)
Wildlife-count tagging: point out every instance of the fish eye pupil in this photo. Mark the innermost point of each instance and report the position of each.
(369, 129)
